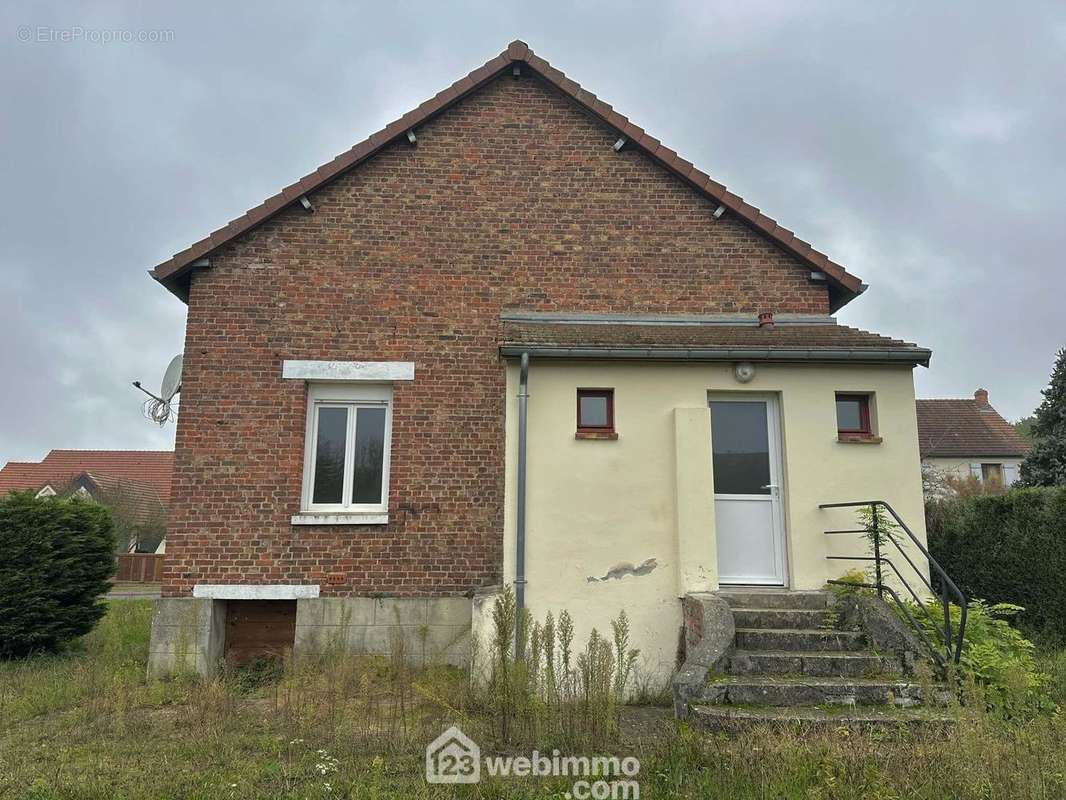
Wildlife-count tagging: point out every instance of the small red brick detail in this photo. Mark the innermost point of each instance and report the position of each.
(513, 199)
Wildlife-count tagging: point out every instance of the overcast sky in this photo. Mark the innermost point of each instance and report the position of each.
(921, 145)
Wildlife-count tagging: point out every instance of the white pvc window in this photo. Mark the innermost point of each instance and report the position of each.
(346, 455)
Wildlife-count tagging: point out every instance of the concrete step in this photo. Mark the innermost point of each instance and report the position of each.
(886, 718)
(756, 690)
(798, 640)
(805, 618)
(775, 598)
(851, 664)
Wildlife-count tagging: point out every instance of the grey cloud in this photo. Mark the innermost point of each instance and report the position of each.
(919, 145)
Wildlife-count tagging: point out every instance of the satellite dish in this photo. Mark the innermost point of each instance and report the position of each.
(162, 408)
(171, 379)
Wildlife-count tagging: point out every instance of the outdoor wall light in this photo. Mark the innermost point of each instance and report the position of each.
(744, 372)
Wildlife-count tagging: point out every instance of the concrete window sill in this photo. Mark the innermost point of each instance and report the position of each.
(607, 436)
(307, 518)
(858, 438)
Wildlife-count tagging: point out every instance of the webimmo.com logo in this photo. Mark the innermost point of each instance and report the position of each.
(453, 757)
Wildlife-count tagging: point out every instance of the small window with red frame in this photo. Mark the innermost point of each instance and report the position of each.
(595, 414)
(853, 415)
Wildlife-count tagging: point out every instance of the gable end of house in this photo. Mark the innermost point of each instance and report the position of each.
(841, 286)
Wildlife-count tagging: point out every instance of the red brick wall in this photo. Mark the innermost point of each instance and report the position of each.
(511, 200)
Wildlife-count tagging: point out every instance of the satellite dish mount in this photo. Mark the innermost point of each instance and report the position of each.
(162, 407)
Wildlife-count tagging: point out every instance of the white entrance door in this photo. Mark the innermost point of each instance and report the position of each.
(746, 449)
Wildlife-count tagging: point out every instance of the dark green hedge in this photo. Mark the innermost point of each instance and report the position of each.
(56, 557)
(1008, 548)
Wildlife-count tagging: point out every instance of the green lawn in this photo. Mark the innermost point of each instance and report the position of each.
(87, 724)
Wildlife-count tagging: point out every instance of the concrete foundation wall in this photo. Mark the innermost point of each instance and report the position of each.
(427, 630)
(188, 635)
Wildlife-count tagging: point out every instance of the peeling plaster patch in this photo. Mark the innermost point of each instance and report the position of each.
(619, 571)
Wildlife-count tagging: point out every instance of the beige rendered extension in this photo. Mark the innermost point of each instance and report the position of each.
(630, 523)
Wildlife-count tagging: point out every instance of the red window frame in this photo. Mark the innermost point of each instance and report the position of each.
(864, 414)
(607, 394)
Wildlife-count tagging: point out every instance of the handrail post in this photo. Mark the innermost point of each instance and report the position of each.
(877, 550)
(948, 643)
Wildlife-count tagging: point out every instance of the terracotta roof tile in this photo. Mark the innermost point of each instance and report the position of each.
(783, 339)
(965, 428)
(171, 273)
(153, 468)
(141, 498)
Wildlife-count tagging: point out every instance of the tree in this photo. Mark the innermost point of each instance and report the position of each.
(1024, 427)
(1046, 463)
(56, 559)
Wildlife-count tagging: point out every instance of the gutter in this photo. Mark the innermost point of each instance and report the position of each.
(520, 506)
(914, 356)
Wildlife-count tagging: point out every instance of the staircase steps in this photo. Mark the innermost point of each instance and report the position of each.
(775, 598)
(798, 639)
(732, 719)
(782, 618)
(781, 690)
(793, 663)
(817, 664)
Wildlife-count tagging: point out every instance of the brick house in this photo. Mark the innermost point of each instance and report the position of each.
(511, 339)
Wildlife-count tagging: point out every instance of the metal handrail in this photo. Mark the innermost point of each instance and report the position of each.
(950, 640)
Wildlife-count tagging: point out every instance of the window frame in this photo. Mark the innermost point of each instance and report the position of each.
(350, 397)
(865, 420)
(987, 470)
(608, 395)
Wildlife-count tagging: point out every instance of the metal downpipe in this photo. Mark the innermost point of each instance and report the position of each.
(520, 506)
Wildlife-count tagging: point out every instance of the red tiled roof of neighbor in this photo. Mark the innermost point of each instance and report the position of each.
(808, 340)
(153, 468)
(142, 498)
(173, 273)
(966, 428)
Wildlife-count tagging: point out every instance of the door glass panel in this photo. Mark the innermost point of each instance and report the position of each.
(741, 447)
(329, 455)
(369, 455)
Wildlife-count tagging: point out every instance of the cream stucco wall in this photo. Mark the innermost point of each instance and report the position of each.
(630, 523)
(960, 467)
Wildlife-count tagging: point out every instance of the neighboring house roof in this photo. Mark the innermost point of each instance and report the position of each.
(141, 500)
(152, 468)
(965, 429)
(174, 273)
(816, 341)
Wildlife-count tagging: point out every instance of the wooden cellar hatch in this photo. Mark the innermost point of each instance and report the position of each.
(259, 629)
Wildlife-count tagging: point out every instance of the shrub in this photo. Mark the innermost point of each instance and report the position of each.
(995, 656)
(1008, 548)
(55, 560)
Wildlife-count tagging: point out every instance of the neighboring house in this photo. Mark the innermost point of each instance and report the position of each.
(135, 484)
(963, 438)
(513, 339)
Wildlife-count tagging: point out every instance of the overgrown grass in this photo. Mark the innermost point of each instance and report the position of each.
(87, 724)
